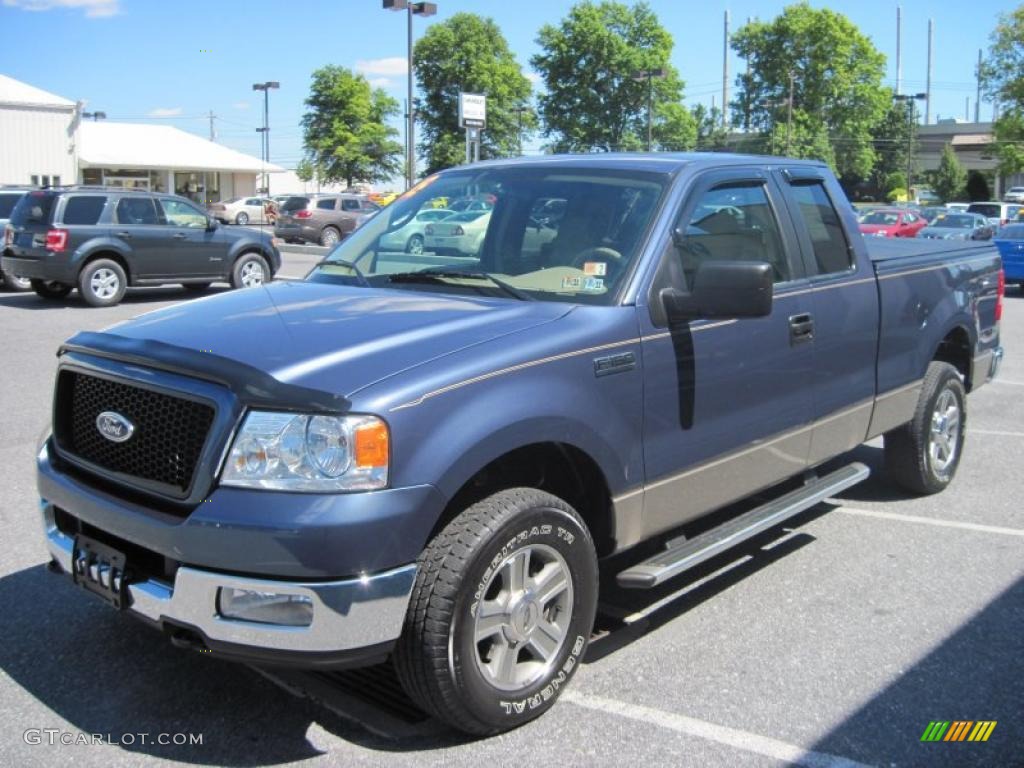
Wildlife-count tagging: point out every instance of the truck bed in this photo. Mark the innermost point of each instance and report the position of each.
(889, 248)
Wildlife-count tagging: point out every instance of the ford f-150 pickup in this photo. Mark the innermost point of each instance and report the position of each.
(425, 457)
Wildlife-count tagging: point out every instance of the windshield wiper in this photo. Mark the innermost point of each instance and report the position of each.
(439, 275)
(348, 265)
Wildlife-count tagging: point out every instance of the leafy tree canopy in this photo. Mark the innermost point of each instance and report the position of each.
(1003, 78)
(950, 179)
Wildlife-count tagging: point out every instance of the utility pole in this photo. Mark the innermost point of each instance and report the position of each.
(899, 49)
(725, 73)
(928, 82)
(649, 75)
(977, 97)
(910, 98)
(789, 117)
(213, 132)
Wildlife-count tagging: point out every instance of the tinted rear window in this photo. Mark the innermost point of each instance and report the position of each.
(34, 208)
(84, 209)
(295, 204)
(7, 203)
(326, 205)
(992, 211)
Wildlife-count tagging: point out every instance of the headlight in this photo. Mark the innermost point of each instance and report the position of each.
(300, 452)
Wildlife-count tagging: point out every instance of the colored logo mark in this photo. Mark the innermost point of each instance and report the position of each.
(958, 730)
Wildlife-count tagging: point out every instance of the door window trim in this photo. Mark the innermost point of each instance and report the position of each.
(791, 177)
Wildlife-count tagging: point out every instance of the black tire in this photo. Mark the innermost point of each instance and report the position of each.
(414, 245)
(102, 283)
(48, 289)
(456, 572)
(243, 274)
(242, 218)
(908, 449)
(16, 283)
(330, 236)
(195, 287)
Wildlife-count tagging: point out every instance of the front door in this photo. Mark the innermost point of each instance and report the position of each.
(727, 402)
(195, 252)
(139, 225)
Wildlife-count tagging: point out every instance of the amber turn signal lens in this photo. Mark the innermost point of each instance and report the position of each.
(371, 445)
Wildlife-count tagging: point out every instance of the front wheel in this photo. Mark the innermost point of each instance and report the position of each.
(17, 283)
(250, 271)
(923, 454)
(415, 245)
(501, 612)
(242, 218)
(48, 289)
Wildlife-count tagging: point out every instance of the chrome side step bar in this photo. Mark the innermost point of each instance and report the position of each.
(686, 554)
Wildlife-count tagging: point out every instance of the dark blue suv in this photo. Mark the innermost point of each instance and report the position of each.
(102, 240)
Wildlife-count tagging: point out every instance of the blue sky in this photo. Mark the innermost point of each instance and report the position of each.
(152, 60)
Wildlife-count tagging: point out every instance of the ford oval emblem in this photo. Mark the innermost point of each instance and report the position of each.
(114, 426)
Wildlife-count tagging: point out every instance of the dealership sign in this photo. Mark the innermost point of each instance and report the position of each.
(472, 110)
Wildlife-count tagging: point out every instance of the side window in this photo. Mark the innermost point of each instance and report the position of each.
(180, 214)
(733, 222)
(83, 209)
(137, 210)
(252, 201)
(831, 250)
(326, 204)
(348, 204)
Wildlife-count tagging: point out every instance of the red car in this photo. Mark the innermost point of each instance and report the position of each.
(892, 222)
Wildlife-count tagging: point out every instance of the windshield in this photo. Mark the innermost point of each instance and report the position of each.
(956, 221)
(880, 217)
(554, 234)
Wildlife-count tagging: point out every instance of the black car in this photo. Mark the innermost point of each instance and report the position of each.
(104, 239)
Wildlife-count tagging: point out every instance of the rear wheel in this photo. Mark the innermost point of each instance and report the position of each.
(250, 271)
(242, 218)
(48, 289)
(501, 612)
(330, 237)
(17, 283)
(923, 455)
(102, 283)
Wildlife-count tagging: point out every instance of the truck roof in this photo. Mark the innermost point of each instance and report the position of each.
(653, 162)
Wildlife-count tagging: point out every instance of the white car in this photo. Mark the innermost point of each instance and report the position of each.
(410, 237)
(957, 207)
(459, 235)
(1014, 195)
(243, 210)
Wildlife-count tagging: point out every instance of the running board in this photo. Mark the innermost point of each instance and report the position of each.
(686, 554)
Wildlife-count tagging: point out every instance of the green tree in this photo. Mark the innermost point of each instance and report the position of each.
(836, 75)
(592, 100)
(892, 136)
(711, 136)
(977, 187)
(468, 54)
(305, 170)
(345, 132)
(950, 180)
(1003, 76)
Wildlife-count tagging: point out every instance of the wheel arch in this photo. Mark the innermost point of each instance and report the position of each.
(955, 348)
(107, 253)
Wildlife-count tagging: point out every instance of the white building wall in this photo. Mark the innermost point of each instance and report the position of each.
(36, 141)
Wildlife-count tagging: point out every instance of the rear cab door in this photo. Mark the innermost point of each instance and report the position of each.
(727, 402)
(843, 292)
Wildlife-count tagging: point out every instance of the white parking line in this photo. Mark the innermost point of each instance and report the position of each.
(995, 432)
(1004, 381)
(927, 520)
(748, 742)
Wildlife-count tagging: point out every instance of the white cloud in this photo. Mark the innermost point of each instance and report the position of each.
(380, 82)
(533, 77)
(240, 105)
(93, 8)
(165, 112)
(392, 66)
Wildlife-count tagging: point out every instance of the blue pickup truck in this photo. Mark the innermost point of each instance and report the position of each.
(426, 457)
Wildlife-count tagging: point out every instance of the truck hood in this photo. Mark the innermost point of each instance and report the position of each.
(336, 339)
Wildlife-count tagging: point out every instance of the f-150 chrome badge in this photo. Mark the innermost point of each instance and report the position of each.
(114, 426)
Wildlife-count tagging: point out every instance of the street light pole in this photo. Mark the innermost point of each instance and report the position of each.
(910, 98)
(649, 75)
(266, 88)
(411, 9)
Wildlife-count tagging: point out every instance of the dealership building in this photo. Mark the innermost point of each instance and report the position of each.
(47, 141)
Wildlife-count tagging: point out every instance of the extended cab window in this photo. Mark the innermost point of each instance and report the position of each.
(84, 209)
(137, 210)
(733, 222)
(831, 250)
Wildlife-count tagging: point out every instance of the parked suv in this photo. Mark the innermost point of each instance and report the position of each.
(9, 197)
(998, 214)
(103, 239)
(323, 219)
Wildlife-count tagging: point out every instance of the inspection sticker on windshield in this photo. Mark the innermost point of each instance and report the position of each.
(595, 268)
(593, 284)
(572, 283)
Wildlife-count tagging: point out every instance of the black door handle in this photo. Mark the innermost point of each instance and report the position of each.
(801, 328)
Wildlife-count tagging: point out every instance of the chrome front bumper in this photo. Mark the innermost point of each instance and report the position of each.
(348, 615)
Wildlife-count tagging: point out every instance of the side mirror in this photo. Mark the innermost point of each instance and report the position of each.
(211, 224)
(723, 289)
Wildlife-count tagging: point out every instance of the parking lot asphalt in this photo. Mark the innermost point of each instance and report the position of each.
(831, 642)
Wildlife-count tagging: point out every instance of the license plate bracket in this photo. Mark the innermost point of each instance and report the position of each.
(101, 570)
